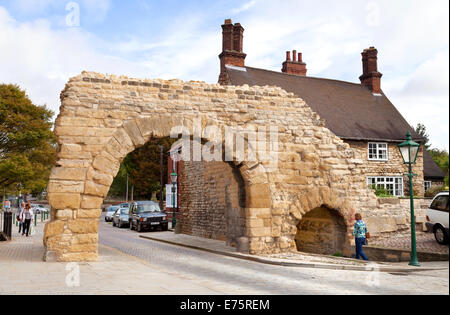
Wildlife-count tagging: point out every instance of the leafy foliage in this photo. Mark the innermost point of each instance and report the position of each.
(381, 192)
(433, 191)
(441, 159)
(143, 169)
(422, 131)
(439, 156)
(27, 143)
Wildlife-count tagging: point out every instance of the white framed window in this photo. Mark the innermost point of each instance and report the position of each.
(378, 151)
(394, 185)
(169, 196)
(427, 185)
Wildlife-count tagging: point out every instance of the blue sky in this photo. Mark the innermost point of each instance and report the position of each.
(40, 51)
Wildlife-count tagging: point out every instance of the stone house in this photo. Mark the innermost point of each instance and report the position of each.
(433, 175)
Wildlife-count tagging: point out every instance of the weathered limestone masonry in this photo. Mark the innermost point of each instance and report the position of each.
(103, 118)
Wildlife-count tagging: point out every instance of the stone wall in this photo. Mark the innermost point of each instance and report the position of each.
(393, 216)
(213, 205)
(393, 167)
(105, 117)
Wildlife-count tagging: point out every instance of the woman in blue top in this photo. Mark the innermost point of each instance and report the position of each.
(359, 232)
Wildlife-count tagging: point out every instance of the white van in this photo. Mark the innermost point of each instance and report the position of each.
(437, 218)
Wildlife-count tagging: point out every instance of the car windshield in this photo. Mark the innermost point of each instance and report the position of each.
(148, 208)
(113, 209)
(125, 205)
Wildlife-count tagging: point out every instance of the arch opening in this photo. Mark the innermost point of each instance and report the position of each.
(322, 231)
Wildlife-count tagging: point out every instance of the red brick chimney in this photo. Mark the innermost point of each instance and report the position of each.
(295, 66)
(371, 77)
(232, 49)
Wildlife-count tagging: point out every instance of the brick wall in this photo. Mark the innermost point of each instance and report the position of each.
(213, 205)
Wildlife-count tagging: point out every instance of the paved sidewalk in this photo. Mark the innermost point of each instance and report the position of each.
(296, 259)
(425, 243)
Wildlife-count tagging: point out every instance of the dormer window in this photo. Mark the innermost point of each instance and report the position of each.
(378, 151)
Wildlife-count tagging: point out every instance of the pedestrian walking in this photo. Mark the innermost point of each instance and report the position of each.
(28, 218)
(361, 235)
(20, 216)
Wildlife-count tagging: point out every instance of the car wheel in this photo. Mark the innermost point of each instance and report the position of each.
(114, 223)
(131, 225)
(120, 224)
(139, 228)
(440, 235)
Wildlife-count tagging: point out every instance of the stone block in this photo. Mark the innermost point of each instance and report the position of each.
(258, 196)
(59, 186)
(71, 174)
(64, 200)
(90, 202)
(94, 189)
(83, 226)
(134, 133)
(89, 214)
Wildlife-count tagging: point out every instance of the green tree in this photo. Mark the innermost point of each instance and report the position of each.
(422, 131)
(143, 169)
(27, 143)
(441, 158)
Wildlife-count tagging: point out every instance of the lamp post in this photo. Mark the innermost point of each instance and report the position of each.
(173, 179)
(409, 151)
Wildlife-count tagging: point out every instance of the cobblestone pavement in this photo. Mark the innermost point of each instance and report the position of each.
(425, 242)
(131, 265)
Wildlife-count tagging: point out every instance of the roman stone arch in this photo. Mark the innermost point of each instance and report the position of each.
(105, 117)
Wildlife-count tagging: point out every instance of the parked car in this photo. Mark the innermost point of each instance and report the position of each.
(39, 209)
(147, 215)
(125, 205)
(437, 218)
(110, 212)
(121, 218)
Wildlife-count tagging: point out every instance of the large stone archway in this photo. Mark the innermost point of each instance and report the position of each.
(103, 118)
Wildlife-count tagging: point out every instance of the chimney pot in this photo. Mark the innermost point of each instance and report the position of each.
(295, 67)
(228, 21)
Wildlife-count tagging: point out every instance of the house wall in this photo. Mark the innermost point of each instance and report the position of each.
(393, 167)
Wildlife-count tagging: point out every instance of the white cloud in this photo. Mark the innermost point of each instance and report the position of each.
(245, 7)
(411, 36)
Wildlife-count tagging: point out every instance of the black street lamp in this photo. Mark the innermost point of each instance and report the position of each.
(409, 151)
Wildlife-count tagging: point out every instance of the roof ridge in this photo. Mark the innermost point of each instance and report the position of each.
(307, 77)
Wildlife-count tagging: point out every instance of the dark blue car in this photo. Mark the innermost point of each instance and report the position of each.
(147, 215)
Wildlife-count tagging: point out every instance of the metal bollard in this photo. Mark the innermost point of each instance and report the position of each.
(35, 219)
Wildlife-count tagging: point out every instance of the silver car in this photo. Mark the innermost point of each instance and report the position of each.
(110, 212)
(121, 218)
